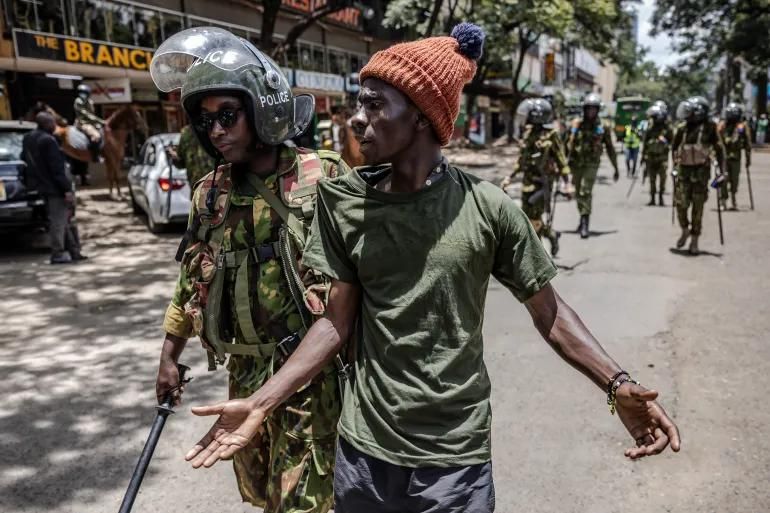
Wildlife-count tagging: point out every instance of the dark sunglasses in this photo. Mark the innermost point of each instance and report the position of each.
(226, 117)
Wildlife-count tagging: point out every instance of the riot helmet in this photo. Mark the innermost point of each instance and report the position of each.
(205, 60)
(684, 110)
(663, 106)
(84, 90)
(657, 113)
(700, 108)
(592, 100)
(733, 112)
(539, 111)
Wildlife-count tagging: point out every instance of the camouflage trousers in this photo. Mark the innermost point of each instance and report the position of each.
(583, 178)
(733, 168)
(656, 172)
(535, 211)
(289, 466)
(692, 191)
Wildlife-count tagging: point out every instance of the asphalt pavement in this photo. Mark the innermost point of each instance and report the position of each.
(79, 350)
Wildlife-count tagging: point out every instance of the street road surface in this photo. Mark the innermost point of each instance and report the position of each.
(79, 350)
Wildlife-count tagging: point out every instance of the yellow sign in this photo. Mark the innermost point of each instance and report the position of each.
(39, 45)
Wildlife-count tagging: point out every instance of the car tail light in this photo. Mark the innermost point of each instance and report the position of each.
(167, 185)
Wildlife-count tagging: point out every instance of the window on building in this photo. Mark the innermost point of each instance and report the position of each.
(338, 62)
(319, 59)
(148, 28)
(171, 24)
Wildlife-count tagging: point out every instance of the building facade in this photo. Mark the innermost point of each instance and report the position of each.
(49, 47)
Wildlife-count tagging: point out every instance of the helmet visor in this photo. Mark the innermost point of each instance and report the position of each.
(194, 46)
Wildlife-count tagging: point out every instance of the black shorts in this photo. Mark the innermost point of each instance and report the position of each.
(364, 484)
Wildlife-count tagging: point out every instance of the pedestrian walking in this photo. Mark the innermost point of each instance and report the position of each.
(631, 141)
(695, 140)
(240, 288)
(47, 173)
(737, 138)
(588, 137)
(655, 150)
(410, 242)
(762, 129)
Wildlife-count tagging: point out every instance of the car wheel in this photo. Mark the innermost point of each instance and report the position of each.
(155, 227)
(134, 205)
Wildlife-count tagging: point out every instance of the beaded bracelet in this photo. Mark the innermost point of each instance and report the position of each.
(612, 395)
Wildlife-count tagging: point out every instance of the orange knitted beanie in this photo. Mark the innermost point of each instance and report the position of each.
(431, 72)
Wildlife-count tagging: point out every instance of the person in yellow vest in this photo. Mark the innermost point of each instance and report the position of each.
(632, 141)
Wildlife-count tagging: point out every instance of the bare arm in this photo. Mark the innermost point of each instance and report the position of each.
(643, 417)
(561, 327)
(240, 419)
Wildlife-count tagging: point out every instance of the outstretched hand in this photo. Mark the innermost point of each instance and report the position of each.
(646, 421)
(237, 424)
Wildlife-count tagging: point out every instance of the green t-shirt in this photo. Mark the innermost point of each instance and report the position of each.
(420, 392)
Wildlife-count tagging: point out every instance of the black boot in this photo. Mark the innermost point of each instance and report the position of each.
(660, 200)
(584, 226)
(652, 200)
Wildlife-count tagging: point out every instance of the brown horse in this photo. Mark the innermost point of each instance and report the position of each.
(116, 130)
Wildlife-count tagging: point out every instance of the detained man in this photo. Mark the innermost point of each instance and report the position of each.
(411, 242)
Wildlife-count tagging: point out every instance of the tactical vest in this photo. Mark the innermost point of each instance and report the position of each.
(295, 204)
(694, 154)
(657, 145)
(537, 159)
(734, 140)
(587, 145)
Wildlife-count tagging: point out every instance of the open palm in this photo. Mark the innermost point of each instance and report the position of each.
(237, 424)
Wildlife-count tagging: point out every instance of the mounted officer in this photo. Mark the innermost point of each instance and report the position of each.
(542, 160)
(87, 121)
(241, 287)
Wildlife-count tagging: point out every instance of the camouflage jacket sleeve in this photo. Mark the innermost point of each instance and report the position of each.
(677, 142)
(176, 321)
(609, 146)
(558, 153)
(747, 143)
(719, 146)
(571, 140)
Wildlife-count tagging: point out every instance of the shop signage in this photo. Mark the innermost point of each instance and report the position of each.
(110, 90)
(42, 45)
(349, 16)
(319, 81)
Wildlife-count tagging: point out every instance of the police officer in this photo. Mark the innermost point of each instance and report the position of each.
(588, 137)
(737, 137)
(542, 160)
(87, 121)
(655, 149)
(696, 138)
(241, 288)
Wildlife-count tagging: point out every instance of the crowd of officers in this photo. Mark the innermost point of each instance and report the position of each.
(552, 166)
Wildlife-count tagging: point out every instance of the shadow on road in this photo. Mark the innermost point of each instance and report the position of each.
(77, 363)
(685, 253)
(591, 233)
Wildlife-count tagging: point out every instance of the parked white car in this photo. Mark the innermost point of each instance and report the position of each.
(157, 188)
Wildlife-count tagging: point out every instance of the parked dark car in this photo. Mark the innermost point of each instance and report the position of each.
(20, 208)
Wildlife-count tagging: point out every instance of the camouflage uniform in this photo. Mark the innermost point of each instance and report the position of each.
(541, 155)
(737, 138)
(655, 148)
(693, 181)
(192, 157)
(584, 147)
(288, 467)
(86, 119)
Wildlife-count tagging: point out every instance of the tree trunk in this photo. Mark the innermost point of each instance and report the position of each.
(297, 30)
(437, 5)
(269, 17)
